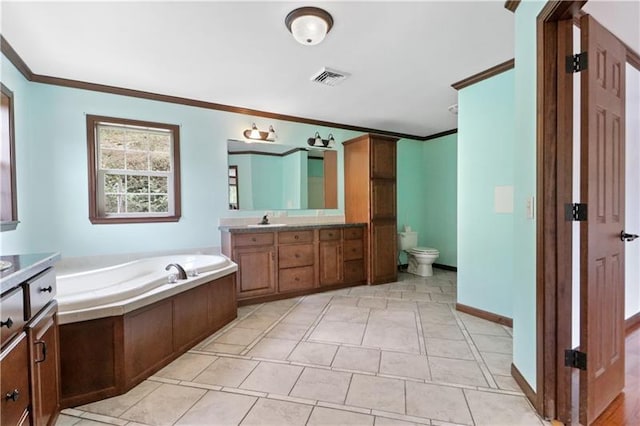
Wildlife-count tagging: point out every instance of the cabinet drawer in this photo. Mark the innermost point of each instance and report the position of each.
(353, 249)
(288, 237)
(12, 314)
(353, 271)
(330, 234)
(251, 239)
(295, 255)
(14, 364)
(40, 290)
(353, 233)
(295, 279)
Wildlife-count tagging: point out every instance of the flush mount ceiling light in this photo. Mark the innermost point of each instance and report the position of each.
(309, 25)
(260, 135)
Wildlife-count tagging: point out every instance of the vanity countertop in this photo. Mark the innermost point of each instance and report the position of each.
(236, 229)
(23, 267)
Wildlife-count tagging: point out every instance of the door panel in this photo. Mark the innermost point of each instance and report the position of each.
(602, 188)
(384, 253)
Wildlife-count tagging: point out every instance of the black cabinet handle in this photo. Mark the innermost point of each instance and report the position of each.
(627, 237)
(8, 323)
(13, 396)
(46, 289)
(297, 255)
(44, 351)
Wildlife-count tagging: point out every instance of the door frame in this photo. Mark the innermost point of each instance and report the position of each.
(554, 174)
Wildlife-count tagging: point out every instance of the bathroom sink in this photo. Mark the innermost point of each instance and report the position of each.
(268, 225)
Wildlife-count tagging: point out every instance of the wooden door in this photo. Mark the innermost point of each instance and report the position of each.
(383, 259)
(45, 380)
(256, 271)
(602, 188)
(383, 199)
(383, 158)
(330, 262)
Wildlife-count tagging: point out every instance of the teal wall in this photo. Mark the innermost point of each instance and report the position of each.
(51, 160)
(426, 187)
(485, 160)
(266, 182)
(315, 167)
(524, 264)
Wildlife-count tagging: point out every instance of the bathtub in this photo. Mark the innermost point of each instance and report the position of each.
(119, 289)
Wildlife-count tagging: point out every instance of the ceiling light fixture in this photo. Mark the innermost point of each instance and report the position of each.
(317, 141)
(260, 135)
(309, 25)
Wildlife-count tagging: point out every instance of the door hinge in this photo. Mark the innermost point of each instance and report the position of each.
(577, 62)
(575, 359)
(576, 212)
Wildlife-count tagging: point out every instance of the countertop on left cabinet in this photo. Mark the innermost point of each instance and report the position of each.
(23, 267)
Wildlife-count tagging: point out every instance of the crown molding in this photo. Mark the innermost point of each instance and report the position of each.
(512, 5)
(483, 75)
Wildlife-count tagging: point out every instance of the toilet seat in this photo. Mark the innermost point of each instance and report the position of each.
(423, 250)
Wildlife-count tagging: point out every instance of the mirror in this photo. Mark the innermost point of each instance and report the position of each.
(268, 176)
(8, 205)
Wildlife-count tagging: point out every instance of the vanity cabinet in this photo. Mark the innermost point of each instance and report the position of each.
(294, 260)
(29, 354)
(370, 197)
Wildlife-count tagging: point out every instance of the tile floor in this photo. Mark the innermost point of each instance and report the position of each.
(394, 354)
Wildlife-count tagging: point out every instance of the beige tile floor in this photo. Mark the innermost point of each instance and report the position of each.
(394, 354)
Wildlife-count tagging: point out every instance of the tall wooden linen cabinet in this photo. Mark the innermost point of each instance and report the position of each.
(370, 197)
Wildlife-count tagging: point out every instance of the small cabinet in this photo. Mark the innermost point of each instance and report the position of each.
(256, 271)
(14, 382)
(45, 365)
(330, 248)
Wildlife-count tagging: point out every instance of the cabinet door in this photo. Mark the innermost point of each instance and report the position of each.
(383, 158)
(256, 271)
(383, 199)
(14, 381)
(45, 366)
(384, 253)
(330, 262)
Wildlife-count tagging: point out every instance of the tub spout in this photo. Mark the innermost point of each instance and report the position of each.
(182, 274)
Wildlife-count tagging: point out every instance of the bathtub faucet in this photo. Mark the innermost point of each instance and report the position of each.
(182, 274)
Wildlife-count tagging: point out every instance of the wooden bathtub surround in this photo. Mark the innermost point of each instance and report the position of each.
(106, 357)
(29, 359)
(294, 260)
(370, 197)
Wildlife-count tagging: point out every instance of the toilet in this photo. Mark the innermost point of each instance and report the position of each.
(420, 259)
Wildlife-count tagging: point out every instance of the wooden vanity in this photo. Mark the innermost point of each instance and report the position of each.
(280, 262)
(29, 359)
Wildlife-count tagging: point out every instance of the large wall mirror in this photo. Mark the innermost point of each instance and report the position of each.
(8, 205)
(268, 176)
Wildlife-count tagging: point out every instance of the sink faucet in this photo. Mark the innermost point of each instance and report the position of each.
(265, 220)
(182, 274)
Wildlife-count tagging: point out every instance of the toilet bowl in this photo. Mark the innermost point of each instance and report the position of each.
(420, 259)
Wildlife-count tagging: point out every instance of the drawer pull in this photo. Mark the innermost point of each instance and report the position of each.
(297, 278)
(296, 237)
(253, 239)
(44, 351)
(45, 289)
(8, 323)
(297, 255)
(13, 396)
(331, 234)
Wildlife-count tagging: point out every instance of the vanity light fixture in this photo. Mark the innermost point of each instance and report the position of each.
(309, 25)
(317, 141)
(260, 135)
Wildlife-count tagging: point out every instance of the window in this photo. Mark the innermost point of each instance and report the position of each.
(234, 195)
(134, 171)
(8, 205)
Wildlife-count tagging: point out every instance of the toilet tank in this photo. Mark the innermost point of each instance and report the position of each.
(407, 240)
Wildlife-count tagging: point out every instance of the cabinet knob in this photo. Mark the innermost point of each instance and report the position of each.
(296, 237)
(297, 255)
(253, 239)
(46, 289)
(297, 278)
(13, 396)
(331, 234)
(8, 323)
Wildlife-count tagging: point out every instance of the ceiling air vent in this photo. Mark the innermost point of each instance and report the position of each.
(329, 77)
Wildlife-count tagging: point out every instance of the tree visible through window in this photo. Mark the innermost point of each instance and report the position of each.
(135, 170)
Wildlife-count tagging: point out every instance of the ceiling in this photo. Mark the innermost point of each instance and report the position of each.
(402, 56)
